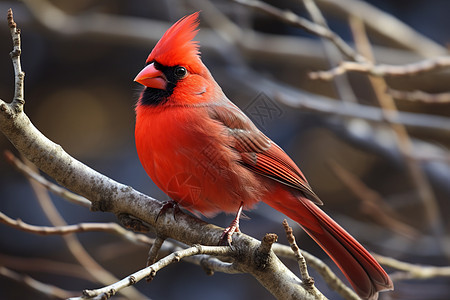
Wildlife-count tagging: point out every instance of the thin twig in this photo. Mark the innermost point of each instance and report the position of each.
(107, 291)
(414, 271)
(266, 243)
(341, 83)
(384, 70)
(57, 190)
(372, 203)
(81, 227)
(301, 100)
(50, 291)
(419, 96)
(19, 75)
(42, 265)
(310, 27)
(307, 280)
(384, 24)
(327, 274)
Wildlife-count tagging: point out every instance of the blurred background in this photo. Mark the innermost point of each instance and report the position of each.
(390, 188)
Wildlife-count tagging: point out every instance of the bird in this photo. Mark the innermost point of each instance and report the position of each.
(209, 157)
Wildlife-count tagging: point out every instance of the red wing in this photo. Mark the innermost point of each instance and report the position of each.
(258, 152)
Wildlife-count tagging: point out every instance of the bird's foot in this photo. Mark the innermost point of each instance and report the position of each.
(168, 205)
(226, 237)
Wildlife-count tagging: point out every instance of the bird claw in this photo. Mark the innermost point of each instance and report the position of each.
(168, 205)
(226, 237)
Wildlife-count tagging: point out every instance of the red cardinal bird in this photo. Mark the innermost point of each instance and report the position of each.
(208, 156)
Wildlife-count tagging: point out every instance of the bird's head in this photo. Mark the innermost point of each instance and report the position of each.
(174, 73)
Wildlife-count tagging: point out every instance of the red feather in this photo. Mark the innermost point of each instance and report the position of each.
(177, 46)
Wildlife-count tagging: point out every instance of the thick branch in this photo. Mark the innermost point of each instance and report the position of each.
(108, 195)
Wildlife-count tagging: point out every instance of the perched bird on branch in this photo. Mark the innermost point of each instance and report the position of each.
(209, 157)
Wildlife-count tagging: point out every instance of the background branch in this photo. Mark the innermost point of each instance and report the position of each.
(151, 270)
(382, 70)
(31, 174)
(46, 289)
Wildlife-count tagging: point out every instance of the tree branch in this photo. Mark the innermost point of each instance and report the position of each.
(372, 203)
(419, 96)
(393, 29)
(383, 70)
(412, 271)
(108, 195)
(57, 190)
(150, 271)
(18, 100)
(327, 274)
(113, 228)
(48, 290)
(310, 27)
(308, 280)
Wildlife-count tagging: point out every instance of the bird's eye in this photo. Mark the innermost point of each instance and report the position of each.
(180, 72)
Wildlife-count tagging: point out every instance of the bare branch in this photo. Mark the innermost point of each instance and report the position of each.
(46, 289)
(383, 70)
(29, 264)
(413, 271)
(341, 83)
(307, 280)
(57, 190)
(327, 274)
(81, 227)
(394, 29)
(373, 204)
(297, 21)
(151, 271)
(323, 105)
(18, 100)
(419, 96)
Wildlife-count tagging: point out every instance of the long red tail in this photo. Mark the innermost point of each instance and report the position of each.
(363, 272)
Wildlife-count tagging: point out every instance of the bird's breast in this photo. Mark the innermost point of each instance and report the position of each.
(191, 158)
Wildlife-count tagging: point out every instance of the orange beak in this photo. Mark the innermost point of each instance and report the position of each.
(151, 77)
